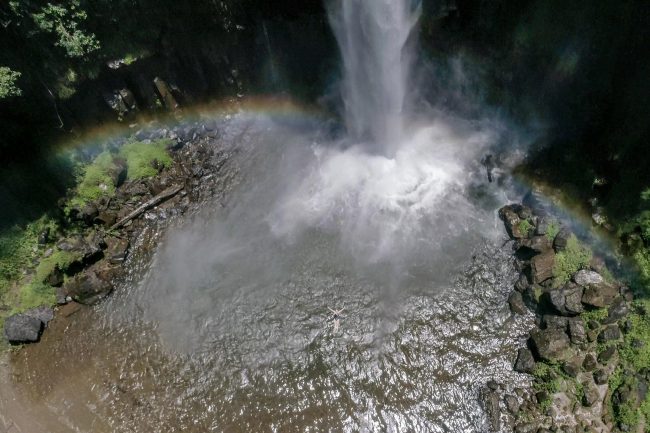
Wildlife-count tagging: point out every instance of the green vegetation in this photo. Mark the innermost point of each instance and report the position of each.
(547, 377)
(572, 259)
(33, 295)
(552, 230)
(58, 260)
(525, 227)
(8, 80)
(95, 180)
(597, 315)
(143, 159)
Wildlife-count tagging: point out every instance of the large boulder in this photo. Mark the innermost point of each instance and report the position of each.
(561, 239)
(22, 328)
(542, 267)
(566, 300)
(537, 244)
(117, 250)
(586, 277)
(600, 295)
(43, 313)
(525, 362)
(88, 288)
(550, 344)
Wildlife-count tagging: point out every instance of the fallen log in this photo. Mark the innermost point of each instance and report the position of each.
(166, 194)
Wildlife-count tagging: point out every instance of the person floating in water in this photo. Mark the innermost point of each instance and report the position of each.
(336, 317)
(489, 164)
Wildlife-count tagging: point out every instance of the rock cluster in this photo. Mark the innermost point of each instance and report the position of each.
(105, 230)
(572, 351)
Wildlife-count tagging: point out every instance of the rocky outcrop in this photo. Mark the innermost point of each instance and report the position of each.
(106, 229)
(574, 347)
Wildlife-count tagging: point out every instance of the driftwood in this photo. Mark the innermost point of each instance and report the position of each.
(166, 194)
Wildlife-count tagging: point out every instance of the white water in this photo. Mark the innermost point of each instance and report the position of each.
(372, 37)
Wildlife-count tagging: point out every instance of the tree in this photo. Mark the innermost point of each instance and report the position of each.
(8, 78)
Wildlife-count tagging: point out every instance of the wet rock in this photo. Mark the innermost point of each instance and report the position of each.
(87, 288)
(586, 277)
(525, 362)
(610, 333)
(511, 220)
(606, 355)
(599, 295)
(566, 300)
(591, 395)
(21, 328)
(600, 377)
(577, 332)
(491, 406)
(542, 267)
(538, 244)
(512, 403)
(561, 239)
(42, 313)
(116, 250)
(590, 363)
(522, 283)
(516, 302)
(550, 344)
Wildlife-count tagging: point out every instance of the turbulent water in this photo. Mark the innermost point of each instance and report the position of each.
(229, 327)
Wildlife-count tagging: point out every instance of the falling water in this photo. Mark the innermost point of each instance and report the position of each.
(372, 36)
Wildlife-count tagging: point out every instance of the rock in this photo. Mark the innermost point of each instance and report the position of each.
(44, 237)
(567, 300)
(542, 267)
(542, 226)
(525, 362)
(542, 396)
(550, 321)
(543, 430)
(106, 218)
(577, 333)
(516, 302)
(599, 295)
(610, 333)
(607, 354)
(540, 244)
(550, 344)
(600, 377)
(572, 366)
(522, 283)
(55, 277)
(88, 252)
(511, 220)
(526, 428)
(116, 250)
(512, 404)
(21, 328)
(43, 313)
(87, 288)
(616, 311)
(590, 363)
(585, 277)
(491, 406)
(591, 395)
(561, 240)
(492, 384)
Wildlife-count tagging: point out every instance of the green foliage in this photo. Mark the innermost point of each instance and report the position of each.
(65, 22)
(547, 377)
(635, 349)
(59, 259)
(642, 260)
(142, 159)
(525, 227)
(33, 295)
(552, 230)
(572, 259)
(8, 80)
(95, 181)
(597, 315)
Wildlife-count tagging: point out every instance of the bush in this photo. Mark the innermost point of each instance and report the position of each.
(143, 159)
(95, 181)
(572, 259)
(525, 227)
(552, 230)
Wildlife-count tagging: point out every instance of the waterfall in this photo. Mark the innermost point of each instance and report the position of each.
(372, 36)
